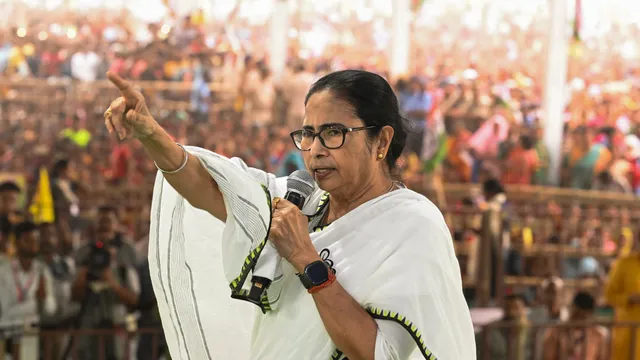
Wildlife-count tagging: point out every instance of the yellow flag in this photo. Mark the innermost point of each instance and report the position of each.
(527, 237)
(42, 206)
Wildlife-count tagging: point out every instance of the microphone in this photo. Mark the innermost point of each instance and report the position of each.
(300, 186)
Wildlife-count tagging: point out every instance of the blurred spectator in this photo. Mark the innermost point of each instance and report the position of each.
(9, 192)
(521, 163)
(122, 164)
(107, 285)
(485, 141)
(62, 268)
(259, 97)
(490, 250)
(552, 307)
(512, 343)
(586, 159)
(85, 64)
(65, 200)
(458, 155)
(76, 132)
(623, 293)
(416, 104)
(27, 287)
(589, 343)
(294, 91)
(200, 92)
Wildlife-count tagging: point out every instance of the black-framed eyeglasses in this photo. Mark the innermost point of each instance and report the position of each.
(331, 137)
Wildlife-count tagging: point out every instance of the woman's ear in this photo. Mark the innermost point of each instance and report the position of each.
(384, 139)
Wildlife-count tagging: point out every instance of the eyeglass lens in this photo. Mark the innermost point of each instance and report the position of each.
(331, 138)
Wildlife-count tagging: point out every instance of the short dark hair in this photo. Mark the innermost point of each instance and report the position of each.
(59, 166)
(515, 296)
(492, 186)
(107, 209)
(373, 101)
(23, 228)
(9, 186)
(401, 84)
(527, 142)
(581, 129)
(584, 301)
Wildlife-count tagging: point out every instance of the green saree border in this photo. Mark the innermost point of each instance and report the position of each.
(382, 314)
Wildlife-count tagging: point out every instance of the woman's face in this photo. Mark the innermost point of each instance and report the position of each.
(354, 164)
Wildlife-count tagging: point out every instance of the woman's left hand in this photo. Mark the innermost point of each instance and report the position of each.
(290, 234)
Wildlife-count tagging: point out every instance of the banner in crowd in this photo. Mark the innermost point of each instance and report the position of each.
(42, 206)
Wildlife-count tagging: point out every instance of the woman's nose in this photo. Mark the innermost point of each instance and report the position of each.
(317, 149)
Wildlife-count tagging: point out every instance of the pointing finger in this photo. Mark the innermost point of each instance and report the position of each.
(125, 89)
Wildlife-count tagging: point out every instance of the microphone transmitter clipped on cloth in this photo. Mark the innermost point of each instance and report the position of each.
(300, 186)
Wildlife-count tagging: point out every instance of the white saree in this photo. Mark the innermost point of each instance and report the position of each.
(394, 255)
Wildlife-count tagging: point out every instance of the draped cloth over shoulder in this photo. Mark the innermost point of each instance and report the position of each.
(393, 255)
(192, 267)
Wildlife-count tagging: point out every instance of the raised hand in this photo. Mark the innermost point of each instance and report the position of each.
(128, 114)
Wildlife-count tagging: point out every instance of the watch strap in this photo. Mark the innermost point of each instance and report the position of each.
(330, 280)
(306, 282)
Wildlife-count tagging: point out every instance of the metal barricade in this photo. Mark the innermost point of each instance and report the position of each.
(532, 347)
(36, 344)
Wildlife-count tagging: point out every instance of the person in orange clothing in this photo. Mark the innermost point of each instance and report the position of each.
(521, 163)
(623, 293)
(458, 156)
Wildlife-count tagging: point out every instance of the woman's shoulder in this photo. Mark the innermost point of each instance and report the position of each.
(414, 204)
(416, 216)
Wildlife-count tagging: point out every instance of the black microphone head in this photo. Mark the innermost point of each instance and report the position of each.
(301, 183)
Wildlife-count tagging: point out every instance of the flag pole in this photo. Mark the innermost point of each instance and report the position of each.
(400, 38)
(554, 94)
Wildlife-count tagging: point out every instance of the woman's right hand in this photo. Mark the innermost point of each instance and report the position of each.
(128, 114)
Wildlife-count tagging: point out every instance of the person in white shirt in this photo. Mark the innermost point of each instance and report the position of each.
(84, 65)
(259, 97)
(294, 89)
(27, 287)
(25, 280)
(369, 268)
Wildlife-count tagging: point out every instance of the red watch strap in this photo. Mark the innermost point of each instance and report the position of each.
(330, 280)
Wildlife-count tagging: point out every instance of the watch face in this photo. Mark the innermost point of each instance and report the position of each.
(317, 272)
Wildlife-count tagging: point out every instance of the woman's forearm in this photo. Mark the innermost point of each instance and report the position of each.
(193, 182)
(350, 327)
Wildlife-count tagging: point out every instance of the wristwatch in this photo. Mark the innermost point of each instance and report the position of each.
(314, 274)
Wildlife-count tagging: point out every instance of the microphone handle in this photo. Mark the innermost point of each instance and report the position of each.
(295, 198)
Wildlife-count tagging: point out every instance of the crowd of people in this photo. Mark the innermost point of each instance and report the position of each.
(472, 119)
(470, 114)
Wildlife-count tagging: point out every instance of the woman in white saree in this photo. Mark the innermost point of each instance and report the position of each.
(369, 268)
